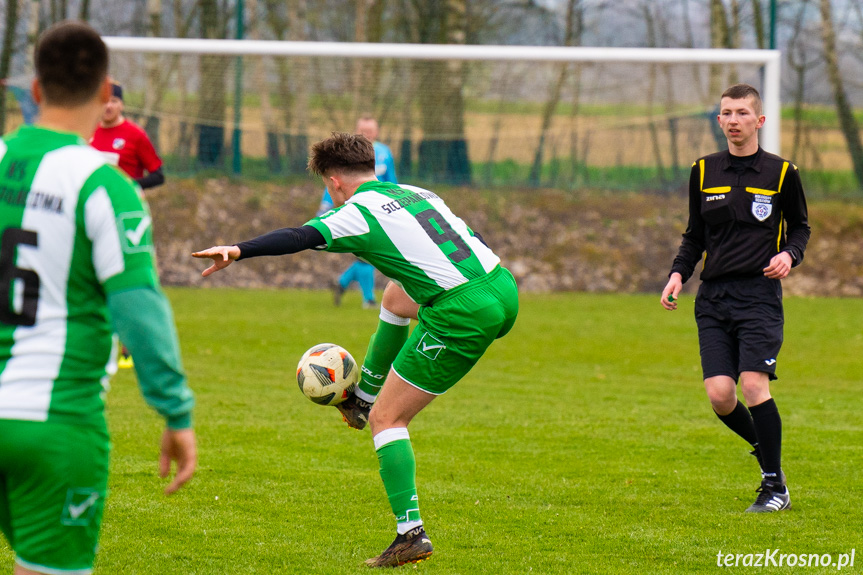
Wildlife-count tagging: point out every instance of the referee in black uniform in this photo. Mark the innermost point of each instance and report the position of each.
(748, 212)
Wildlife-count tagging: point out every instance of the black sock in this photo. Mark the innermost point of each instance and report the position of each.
(768, 429)
(740, 422)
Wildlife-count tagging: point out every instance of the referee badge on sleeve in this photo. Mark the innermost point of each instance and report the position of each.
(762, 207)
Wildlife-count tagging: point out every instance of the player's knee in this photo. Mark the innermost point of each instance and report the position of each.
(723, 398)
(722, 393)
(374, 422)
(391, 295)
(755, 387)
(723, 404)
(396, 301)
(378, 420)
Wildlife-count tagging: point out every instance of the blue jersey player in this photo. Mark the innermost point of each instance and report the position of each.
(361, 272)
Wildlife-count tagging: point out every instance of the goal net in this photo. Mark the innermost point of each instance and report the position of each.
(483, 115)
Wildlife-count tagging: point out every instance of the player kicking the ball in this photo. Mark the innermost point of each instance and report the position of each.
(450, 281)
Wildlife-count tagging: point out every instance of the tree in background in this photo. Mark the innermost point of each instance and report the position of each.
(153, 65)
(443, 153)
(406, 97)
(847, 121)
(211, 103)
(274, 161)
(297, 113)
(6, 50)
(422, 105)
(288, 20)
(573, 33)
(758, 25)
(800, 61)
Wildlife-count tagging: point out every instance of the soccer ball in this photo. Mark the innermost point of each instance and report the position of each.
(327, 374)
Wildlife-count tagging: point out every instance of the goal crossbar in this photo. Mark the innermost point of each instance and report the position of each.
(768, 59)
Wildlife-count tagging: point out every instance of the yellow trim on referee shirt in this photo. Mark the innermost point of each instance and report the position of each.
(719, 190)
(782, 177)
(781, 219)
(762, 192)
(779, 237)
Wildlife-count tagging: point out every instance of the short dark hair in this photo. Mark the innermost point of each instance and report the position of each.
(71, 63)
(741, 91)
(342, 152)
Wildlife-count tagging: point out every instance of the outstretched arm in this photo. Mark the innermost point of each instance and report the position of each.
(276, 243)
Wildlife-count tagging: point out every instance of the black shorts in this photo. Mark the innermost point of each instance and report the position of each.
(739, 326)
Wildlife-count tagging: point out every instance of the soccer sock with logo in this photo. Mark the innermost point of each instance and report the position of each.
(398, 472)
(768, 428)
(740, 422)
(384, 345)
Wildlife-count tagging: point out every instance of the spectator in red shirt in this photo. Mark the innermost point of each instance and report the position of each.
(127, 144)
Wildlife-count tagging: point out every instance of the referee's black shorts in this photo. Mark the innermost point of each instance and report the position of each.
(739, 326)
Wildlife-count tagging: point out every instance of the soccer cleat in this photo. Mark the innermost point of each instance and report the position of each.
(770, 497)
(355, 411)
(370, 304)
(338, 291)
(125, 362)
(411, 547)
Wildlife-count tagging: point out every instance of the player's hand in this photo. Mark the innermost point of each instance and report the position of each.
(671, 291)
(222, 257)
(178, 445)
(780, 266)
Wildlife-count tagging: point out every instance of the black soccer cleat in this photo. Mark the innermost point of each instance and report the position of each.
(411, 547)
(772, 496)
(355, 411)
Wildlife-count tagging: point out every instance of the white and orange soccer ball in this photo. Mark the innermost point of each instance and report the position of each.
(327, 374)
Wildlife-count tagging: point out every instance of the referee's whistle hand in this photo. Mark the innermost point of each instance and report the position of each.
(671, 292)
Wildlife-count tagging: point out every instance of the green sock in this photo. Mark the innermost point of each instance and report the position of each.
(384, 345)
(398, 472)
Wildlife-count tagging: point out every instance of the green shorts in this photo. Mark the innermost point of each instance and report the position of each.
(456, 329)
(53, 482)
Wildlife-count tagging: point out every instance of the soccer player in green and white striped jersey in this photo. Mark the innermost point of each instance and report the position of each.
(76, 266)
(449, 280)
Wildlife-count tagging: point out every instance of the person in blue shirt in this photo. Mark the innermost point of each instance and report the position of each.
(385, 169)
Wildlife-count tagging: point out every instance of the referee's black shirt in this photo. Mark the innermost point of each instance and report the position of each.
(739, 208)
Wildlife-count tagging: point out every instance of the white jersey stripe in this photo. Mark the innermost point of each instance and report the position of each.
(417, 249)
(107, 251)
(27, 381)
(347, 222)
(25, 400)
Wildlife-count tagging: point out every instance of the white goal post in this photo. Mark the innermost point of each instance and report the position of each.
(769, 60)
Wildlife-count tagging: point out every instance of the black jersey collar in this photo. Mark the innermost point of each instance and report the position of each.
(757, 163)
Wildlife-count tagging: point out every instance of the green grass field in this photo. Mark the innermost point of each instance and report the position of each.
(582, 443)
